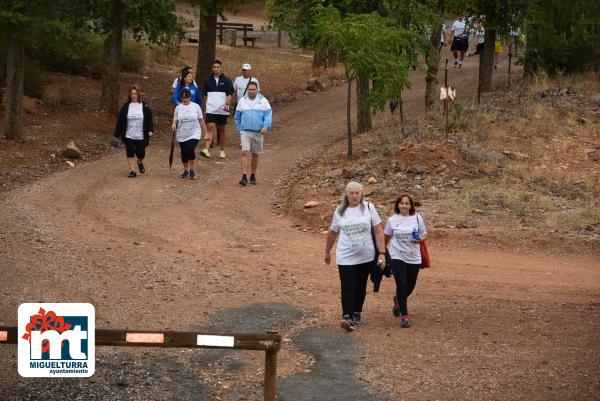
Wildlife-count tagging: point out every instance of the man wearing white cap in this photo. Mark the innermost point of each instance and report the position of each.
(240, 85)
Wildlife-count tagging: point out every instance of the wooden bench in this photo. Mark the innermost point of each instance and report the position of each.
(238, 26)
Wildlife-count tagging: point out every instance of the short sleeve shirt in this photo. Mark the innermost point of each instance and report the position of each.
(135, 122)
(188, 125)
(458, 28)
(400, 228)
(241, 83)
(355, 243)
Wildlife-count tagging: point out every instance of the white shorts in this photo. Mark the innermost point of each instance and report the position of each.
(252, 142)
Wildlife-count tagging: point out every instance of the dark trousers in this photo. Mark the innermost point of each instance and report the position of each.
(135, 147)
(187, 150)
(405, 275)
(479, 49)
(353, 279)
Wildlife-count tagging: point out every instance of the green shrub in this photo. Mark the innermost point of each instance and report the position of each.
(132, 57)
(35, 79)
(51, 95)
(563, 36)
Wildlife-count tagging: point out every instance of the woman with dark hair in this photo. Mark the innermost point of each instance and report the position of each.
(134, 127)
(352, 223)
(186, 81)
(405, 229)
(188, 125)
(184, 71)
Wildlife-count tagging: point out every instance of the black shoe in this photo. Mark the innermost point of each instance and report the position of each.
(185, 174)
(357, 320)
(192, 175)
(244, 181)
(132, 174)
(141, 167)
(405, 322)
(347, 324)
(252, 179)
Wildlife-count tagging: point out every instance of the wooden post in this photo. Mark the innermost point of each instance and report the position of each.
(401, 115)
(479, 77)
(220, 33)
(278, 38)
(509, 61)
(270, 375)
(446, 100)
(348, 118)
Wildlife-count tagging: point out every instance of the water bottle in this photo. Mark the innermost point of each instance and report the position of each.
(415, 234)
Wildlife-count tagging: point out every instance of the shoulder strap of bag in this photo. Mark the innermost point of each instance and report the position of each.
(369, 207)
(249, 80)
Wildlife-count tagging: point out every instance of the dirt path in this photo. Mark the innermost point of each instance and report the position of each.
(161, 252)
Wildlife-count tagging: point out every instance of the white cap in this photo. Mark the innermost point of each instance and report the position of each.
(246, 66)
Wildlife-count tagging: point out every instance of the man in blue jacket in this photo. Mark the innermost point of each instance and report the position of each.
(253, 119)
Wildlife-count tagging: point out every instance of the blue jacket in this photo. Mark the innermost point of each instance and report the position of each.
(196, 94)
(253, 117)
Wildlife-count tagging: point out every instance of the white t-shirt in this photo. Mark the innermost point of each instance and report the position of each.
(135, 122)
(188, 126)
(480, 35)
(240, 83)
(355, 243)
(458, 28)
(443, 34)
(400, 228)
(176, 82)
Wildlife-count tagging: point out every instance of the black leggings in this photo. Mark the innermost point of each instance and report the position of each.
(405, 275)
(353, 280)
(187, 150)
(135, 147)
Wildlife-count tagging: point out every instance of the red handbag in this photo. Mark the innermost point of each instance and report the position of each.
(425, 261)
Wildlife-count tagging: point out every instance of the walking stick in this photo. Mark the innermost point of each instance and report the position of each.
(172, 150)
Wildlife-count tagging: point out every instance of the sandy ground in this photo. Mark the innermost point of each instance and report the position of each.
(161, 252)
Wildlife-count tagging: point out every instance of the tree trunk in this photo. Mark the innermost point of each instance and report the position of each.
(319, 58)
(486, 60)
(113, 46)
(207, 42)
(363, 115)
(433, 61)
(349, 117)
(15, 74)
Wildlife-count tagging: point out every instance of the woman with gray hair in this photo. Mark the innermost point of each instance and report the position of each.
(351, 225)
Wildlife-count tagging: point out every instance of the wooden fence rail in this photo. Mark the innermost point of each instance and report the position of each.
(269, 342)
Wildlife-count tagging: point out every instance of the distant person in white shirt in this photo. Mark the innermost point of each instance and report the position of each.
(460, 41)
(442, 38)
(405, 230)
(240, 84)
(352, 224)
(134, 127)
(480, 37)
(188, 125)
